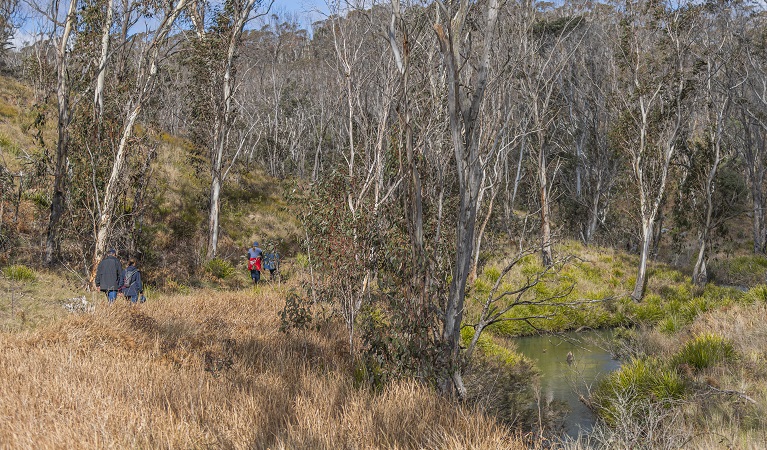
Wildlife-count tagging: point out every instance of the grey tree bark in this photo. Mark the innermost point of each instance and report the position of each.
(463, 109)
(62, 144)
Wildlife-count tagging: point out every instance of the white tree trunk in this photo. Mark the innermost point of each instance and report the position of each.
(641, 280)
(221, 134)
(145, 81)
(98, 95)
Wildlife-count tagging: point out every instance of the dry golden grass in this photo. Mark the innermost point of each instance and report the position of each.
(210, 370)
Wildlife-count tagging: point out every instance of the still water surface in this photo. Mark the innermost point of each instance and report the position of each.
(560, 380)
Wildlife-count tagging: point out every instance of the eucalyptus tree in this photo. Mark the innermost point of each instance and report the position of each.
(287, 94)
(467, 73)
(151, 50)
(217, 44)
(61, 19)
(9, 22)
(546, 59)
(717, 45)
(587, 91)
(372, 84)
(751, 101)
(653, 65)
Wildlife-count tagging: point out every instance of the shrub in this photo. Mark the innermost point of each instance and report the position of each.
(705, 351)
(492, 274)
(220, 269)
(19, 273)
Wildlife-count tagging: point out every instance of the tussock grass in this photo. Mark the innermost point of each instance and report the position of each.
(211, 370)
(718, 362)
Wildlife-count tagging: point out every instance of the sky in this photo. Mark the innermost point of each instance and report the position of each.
(311, 10)
(304, 11)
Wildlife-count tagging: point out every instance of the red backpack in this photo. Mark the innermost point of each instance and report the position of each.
(254, 264)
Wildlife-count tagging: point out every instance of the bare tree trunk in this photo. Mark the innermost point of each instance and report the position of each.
(480, 234)
(755, 169)
(222, 126)
(465, 140)
(641, 279)
(62, 145)
(518, 176)
(758, 220)
(591, 229)
(699, 273)
(547, 258)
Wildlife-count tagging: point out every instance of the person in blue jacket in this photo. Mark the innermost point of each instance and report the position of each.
(132, 286)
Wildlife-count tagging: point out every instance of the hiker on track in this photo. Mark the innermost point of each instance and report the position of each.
(132, 287)
(271, 262)
(109, 275)
(254, 262)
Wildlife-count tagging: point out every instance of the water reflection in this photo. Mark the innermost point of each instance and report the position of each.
(568, 364)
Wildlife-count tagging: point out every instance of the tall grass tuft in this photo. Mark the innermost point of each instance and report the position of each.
(705, 351)
(637, 381)
(19, 273)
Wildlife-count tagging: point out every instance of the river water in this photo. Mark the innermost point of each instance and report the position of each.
(562, 382)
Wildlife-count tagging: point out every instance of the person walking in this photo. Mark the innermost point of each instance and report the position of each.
(109, 275)
(271, 262)
(132, 286)
(254, 262)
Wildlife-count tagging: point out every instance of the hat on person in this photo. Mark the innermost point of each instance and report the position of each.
(112, 252)
(255, 244)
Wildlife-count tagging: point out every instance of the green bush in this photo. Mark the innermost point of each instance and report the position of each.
(19, 272)
(220, 269)
(705, 351)
(492, 274)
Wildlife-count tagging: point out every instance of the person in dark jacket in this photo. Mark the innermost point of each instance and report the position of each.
(132, 286)
(109, 275)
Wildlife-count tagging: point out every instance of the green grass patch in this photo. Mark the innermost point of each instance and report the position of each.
(487, 347)
(671, 301)
(19, 273)
(8, 111)
(705, 351)
(756, 294)
(748, 270)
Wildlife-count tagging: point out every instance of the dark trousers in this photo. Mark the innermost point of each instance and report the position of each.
(256, 275)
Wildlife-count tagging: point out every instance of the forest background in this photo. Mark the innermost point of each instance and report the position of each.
(407, 156)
